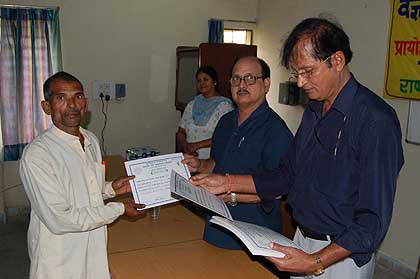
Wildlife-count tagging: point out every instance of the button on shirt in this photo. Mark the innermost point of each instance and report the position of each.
(66, 187)
(258, 144)
(341, 170)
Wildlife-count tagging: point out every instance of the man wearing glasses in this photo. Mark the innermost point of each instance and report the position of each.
(341, 169)
(249, 139)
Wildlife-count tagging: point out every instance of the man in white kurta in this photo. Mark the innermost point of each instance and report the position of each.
(64, 180)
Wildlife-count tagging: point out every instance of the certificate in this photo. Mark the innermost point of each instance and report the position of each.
(256, 238)
(181, 187)
(151, 186)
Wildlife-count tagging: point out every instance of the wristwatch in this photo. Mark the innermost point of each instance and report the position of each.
(233, 201)
(319, 266)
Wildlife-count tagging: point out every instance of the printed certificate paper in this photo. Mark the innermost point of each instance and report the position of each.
(151, 186)
(200, 196)
(256, 238)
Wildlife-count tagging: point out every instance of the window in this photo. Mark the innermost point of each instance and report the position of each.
(237, 36)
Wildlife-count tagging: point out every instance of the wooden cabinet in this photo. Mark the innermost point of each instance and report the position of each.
(219, 56)
(222, 57)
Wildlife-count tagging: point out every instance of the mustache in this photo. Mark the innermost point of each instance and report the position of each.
(72, 111)
(242, 91)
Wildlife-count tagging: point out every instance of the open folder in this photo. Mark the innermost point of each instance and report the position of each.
(256, 238)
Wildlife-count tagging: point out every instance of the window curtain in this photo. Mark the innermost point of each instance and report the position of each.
(216, 31)
(30, 52)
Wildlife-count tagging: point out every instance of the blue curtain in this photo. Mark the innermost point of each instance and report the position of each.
(216, 31)
(30, 53)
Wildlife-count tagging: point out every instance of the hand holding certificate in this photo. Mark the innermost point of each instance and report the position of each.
(256, 238)
(181, 187)
(151, 186)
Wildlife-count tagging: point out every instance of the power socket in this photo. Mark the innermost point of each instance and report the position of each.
(103, 88)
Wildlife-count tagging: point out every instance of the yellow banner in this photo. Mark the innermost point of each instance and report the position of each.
(402, 73)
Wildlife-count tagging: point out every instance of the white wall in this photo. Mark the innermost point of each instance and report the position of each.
(11, 181)
(366, 22)
(275, 18)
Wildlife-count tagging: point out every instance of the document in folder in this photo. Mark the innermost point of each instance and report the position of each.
(151, 186)
(182, 187)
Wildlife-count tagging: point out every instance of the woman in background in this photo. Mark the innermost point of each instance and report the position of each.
(202, 114)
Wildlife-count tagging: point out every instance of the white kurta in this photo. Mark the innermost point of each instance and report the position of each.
(66, 186)
(198, 133)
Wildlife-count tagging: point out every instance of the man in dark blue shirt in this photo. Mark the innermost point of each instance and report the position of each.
(341, 169)
(249, 139)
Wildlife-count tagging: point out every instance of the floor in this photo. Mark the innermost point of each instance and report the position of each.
(14, 261)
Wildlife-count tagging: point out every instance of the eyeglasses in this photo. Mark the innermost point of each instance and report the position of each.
(306, 74)
(249, 79)
(331, 150)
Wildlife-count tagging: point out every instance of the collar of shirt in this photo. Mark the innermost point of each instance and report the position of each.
(342, 103)
(260, 110)
(70, 138)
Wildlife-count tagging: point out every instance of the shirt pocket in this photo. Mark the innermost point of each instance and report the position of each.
(248, 154)
(334, 176)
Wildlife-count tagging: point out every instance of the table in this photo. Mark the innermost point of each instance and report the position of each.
(191, 259)
(176, 224)
(114, 167)
(171, 247)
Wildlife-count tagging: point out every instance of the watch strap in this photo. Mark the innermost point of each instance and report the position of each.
(319, 266)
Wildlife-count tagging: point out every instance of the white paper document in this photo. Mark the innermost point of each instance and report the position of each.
(151, 186)
(256, 238)
(182, 187)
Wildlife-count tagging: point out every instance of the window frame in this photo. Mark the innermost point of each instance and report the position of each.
(247, 30)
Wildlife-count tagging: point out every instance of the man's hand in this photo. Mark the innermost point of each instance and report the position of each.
(295, 260)
(122, 185)
(130, 209)
(214, 183)
(191, 148)
(224, 197)
(192, 162)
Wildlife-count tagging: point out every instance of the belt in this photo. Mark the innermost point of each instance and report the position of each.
(318, 236)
